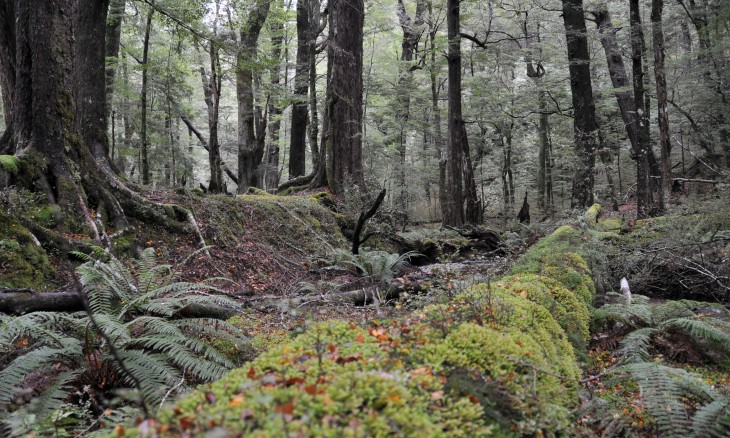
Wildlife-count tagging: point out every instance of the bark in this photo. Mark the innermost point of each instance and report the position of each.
(143, 97)
(305, 48)
(661, 92)
(345, 95)
(250, 141)
(212, 92)
(619, 77)
(644, 202)
(362, 219)
(113, 39)
(584, 110)
(7, 72)
(455, 149)
(193, 130)
(271, 177)
(508, 185)
(438, 138)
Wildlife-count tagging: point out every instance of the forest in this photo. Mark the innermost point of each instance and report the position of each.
(228, 218)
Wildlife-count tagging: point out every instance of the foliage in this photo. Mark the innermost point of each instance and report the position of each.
(23, 262)
(51, 356)
(491, 361)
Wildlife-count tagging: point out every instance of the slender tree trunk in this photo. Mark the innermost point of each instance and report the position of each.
(455, 149)
(438, 138)
(661, 92)
(7, 72)
(644, 202)
(143, 98)
(271, 180)
(250, 146)
(305, 47)
(212, 93)
(584, 109)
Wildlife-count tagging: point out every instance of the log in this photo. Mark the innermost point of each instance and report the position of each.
(22, 301)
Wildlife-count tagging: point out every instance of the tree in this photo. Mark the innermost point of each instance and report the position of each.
(454, 148)
(343, 115)
(661, 94)
(250, 134)
(58, 114)
(143, 96)
(305, 49)
(585, 127)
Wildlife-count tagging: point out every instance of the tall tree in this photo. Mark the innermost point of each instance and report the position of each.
(644, 200)
(7, 71)
(250, 136)
(212, 83)
(343, 151)
(113, 39)
(585, 126)
(305, 48)
(660, 76)
(276, 29)
(454, 149)
(143, 96)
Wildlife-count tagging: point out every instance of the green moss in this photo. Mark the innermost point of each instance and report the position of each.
(258, 192)
(571, 313)
(22, 262)
(591, 215)
(613, 224)
(44, 215)
(9, 163)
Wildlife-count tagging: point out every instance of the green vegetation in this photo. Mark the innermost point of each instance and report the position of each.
(23, 263)
(9, 163)
(76, 365)
(493, 361)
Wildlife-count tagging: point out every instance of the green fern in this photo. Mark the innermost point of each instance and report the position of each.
(132, 310)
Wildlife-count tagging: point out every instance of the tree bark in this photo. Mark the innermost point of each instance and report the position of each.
(143, 97)
(644, 201)
(584, 110)
(345, 95)
(455, 149)
(113, 39)
(250, 145)
(661, 92)
(305, 47)
(7, 72)
(212, 93)
(271, 178)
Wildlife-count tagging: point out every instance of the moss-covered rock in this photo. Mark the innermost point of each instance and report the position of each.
(23, 263)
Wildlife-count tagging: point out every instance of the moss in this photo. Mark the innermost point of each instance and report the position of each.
(44, 215)
(592, 214)
(571, 313)
(197, 191)
(22, 262)
(258, 192)
(9, 163)
(613, 224)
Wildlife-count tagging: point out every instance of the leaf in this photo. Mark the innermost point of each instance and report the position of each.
(210, 396)
(286, 409)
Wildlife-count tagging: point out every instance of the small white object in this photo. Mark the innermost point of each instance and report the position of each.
(625, 290)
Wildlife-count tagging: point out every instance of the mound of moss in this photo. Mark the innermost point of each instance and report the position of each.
(496, 360)
(23, 263)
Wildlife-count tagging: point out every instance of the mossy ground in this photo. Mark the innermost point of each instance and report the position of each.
(491, 361)
(22, 262)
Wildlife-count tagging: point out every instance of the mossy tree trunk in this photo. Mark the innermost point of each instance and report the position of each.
(59, 114)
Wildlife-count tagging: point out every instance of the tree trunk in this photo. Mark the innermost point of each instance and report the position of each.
(661, 93)
(250, 146)
(344, 81)
(7, 72)
(305, 47)
(455, 149)
(271, 177)
(644, 202)
(212, 93)
(584, 109)
(143, 98)
(113, 39)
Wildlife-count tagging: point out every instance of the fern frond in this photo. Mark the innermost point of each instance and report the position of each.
(632, 315)
(712, 420)
(12, 377)
(152, 371)
(213, 328)
(684, 309)
(634, 347)
(181, 353)
(715, 331)
(661, 393)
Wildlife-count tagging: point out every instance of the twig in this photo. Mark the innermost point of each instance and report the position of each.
(164, 399)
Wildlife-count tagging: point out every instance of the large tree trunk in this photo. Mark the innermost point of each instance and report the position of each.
(661, 94)
(644, 202)
(345, 94)
(305, 47)
(7, 72)
(212, 93)
(455, 149)
(584, 109)
(250, 145)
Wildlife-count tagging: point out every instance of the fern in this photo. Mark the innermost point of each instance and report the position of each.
(131, 309)
(634, 347)
(712, 420)
(715, 331)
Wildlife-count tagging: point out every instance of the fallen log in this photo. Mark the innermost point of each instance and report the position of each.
(21, 301)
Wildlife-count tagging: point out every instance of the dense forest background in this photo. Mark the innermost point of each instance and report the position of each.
(242, 86)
